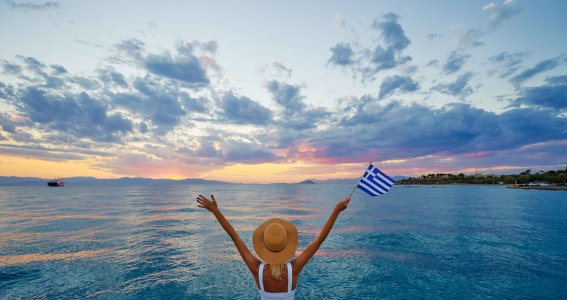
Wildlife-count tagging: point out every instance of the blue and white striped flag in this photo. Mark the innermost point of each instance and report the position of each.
(375, 182)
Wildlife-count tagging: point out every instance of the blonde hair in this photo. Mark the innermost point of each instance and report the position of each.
(276, 271)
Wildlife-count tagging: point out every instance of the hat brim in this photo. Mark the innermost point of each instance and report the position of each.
(281, 256)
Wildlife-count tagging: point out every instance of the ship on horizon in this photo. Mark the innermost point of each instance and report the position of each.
(56, 182)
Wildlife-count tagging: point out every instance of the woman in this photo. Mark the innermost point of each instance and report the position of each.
(275, 242)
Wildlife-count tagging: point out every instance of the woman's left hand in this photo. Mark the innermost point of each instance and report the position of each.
(210, 205)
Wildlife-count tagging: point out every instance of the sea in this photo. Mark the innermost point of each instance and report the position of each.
(153, 242)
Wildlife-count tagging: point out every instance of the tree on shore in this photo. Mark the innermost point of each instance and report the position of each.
(554, 177)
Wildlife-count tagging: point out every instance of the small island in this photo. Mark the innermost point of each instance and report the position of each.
(551, 180)
(308, 181)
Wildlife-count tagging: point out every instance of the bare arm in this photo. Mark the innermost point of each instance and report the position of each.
(301, 260)
(211, 205)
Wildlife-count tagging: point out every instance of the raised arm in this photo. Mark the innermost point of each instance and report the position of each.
(301, 260)
(211, 205)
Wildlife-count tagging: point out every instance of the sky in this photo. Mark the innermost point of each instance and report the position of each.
(265, 91)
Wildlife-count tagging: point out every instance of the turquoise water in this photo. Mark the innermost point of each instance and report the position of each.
(143, 242)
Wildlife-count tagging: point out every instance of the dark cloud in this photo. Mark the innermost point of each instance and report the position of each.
(342, 55)
(110, 76)
(506, 63)
(398, 131)
(391, 31)
(160, 104)
(553, 95)
(286, 95)
(183, 65)
(307, 119)
(296, 114)
(557, 79)
(384, 59)
(58, 69)
(7, 124)
(367, 62)
(12, 69)
(394, 83)
(39, 152)
(541, 67)
(459, 87)
(455, 62)
(243, 110)
(77, 115)
(247, 152)
(29, 5)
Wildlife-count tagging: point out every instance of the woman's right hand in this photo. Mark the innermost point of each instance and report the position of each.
(210, 205)
(342, 205)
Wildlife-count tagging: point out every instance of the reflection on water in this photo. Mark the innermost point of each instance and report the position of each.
(153, 242)
(30, 258)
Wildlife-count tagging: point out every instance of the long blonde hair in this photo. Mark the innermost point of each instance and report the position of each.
(276, 271)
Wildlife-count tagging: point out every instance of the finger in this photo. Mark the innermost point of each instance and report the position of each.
(201, 201)
(200, 206)
(201, 196)
(213, 197)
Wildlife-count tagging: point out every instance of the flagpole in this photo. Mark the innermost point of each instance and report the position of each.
(357, 184)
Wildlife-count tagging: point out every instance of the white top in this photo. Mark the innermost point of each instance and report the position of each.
(278, 296)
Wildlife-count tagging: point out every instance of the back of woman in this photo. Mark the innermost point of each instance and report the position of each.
(275, 242)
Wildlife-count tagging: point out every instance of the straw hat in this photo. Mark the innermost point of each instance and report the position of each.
(275, 241)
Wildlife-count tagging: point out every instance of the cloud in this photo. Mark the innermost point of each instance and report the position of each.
(397, 131)
(286, 95)
(247, 152)
(77, 115)
(541, 67)
(113, 77)
(506, 63)
(280, 68)
(455, 62)
(367, 62)
(7, 124)
(471, 38)
(501, 13)
(296, 115)
(489, 6)
(183, 65)
(553, 95)
(153, 102)
(29, 5)
(342, 55)
(243, 110)
(391, 31)
(384, 59)
(459, 87)
(394, 83)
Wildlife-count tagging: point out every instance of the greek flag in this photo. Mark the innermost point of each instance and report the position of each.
(374, 182)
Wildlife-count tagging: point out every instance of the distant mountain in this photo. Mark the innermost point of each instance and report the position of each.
(92, 181)
(308, 181)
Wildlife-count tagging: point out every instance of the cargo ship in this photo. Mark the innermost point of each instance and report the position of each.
(56, 182)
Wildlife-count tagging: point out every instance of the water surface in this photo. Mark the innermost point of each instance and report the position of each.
(143, 242)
